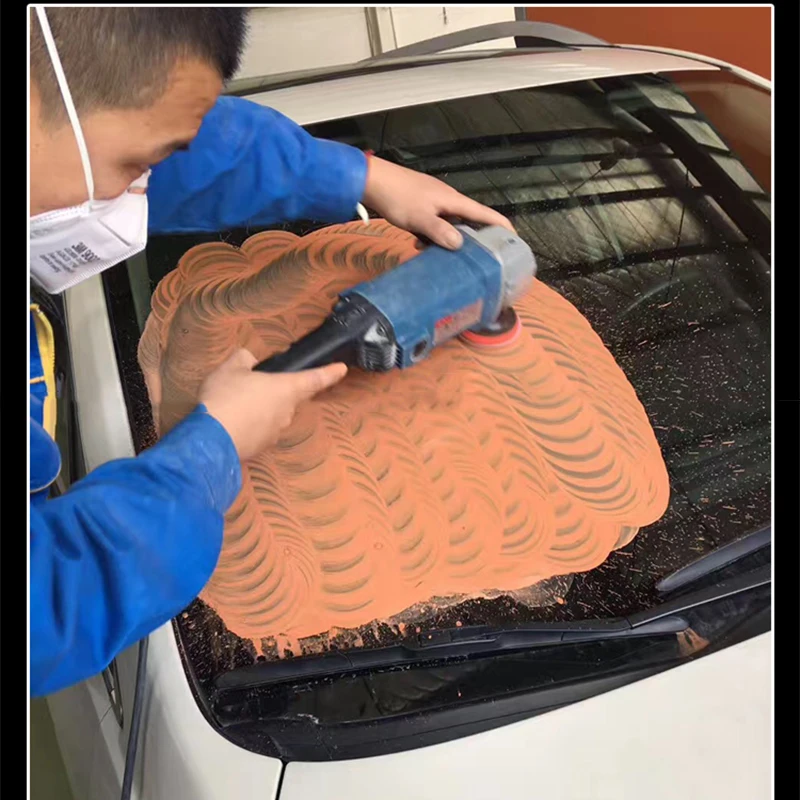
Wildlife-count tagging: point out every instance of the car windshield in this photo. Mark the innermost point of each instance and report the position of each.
(646, 202)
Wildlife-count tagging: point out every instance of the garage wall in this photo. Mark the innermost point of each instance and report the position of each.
(415, 24)
(287, 38)
(740, 35)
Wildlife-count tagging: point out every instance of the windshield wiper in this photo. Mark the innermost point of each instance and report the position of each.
(466, 642)
(442, 644)
(715, 561)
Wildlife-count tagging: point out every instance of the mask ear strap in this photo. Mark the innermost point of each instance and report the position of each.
(67, 97)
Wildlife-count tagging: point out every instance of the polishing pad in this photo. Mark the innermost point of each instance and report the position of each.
(503, 332)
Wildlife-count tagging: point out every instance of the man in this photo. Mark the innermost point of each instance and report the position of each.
(114, 92)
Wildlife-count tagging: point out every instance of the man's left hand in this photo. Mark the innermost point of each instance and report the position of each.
(417, 202)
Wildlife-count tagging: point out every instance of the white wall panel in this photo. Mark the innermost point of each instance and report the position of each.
(286, 38)
(289, 38)
(413, 24)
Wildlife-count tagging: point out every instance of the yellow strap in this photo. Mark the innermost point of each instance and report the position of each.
(47, 353)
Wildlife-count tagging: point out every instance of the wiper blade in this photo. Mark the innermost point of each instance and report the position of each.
(446, 644)
(711, 594)
(666, 619)
(716, 560)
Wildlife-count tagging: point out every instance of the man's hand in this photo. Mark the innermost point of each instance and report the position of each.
(255, 407)
(417, 202)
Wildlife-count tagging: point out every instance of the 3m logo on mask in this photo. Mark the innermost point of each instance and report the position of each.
(69, 259)
(84, 252)
(72, 244)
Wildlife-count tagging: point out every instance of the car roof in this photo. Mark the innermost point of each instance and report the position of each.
(331, 94)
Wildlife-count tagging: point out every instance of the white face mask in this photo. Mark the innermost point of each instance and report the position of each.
(71, 244)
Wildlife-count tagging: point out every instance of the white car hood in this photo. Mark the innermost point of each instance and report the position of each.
(701, 731)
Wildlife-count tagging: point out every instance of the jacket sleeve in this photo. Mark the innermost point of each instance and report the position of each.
(126, 549)
(251, 166)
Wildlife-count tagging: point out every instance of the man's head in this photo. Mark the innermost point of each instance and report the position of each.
(141, 79)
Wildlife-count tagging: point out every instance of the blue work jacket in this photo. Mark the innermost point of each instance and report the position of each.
(130, 545)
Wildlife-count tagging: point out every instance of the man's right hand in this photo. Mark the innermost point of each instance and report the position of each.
(255, 407)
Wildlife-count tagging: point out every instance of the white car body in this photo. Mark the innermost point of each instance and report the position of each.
(647, 739)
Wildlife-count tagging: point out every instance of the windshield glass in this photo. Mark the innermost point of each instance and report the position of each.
(646, 202)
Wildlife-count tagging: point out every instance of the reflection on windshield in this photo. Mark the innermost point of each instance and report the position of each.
(671, 270)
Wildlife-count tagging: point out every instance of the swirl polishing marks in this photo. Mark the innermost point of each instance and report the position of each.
(476, 471)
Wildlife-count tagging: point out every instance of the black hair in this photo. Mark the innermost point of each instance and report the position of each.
(122, 57)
